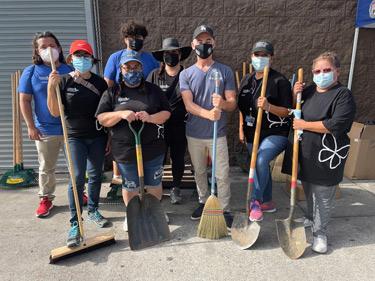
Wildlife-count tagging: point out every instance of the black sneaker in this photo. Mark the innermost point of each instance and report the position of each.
(228, 219)
(196, 215)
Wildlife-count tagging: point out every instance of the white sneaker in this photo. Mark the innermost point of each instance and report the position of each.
(306, 221)
(125, 225)
(320, 244)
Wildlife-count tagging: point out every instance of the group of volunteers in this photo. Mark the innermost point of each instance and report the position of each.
(178, 108)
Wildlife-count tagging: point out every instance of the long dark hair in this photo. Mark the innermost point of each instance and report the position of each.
(36, 57)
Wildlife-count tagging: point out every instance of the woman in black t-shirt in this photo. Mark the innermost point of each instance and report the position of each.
(275, 123)
(328, 111)
(135, 100)
(81, 91)
(167, 78)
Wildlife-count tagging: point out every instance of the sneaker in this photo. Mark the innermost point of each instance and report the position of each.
(175, 195)
(306, 221)
(97, 218)
(320, 244)
(74, 238)
(228, 219)
(125, 225)
(85, 199)
(256, 213)
(268, 207)
(196, 215)
(45, 205)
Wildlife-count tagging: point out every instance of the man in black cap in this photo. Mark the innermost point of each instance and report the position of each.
(166, 77)
(275, 123)
(204, 107)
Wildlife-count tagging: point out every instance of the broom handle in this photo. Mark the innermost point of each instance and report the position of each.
(20, 120)
(17, 107)
(214, 144)
(67, 148)
(254, 152)
(12, 77)
(293, 183)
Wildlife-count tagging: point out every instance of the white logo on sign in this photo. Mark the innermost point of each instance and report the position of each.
(335, 153)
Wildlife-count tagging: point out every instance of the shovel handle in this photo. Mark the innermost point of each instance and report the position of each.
(293, 183)
(138, 152)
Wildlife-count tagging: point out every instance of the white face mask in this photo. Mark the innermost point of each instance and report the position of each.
(44, 54)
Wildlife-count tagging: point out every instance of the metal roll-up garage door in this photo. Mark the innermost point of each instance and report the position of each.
(19, 21)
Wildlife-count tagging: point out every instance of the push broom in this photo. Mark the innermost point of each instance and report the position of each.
(212, 224)
(86, 244)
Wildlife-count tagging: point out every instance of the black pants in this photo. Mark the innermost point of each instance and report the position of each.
(176, 142)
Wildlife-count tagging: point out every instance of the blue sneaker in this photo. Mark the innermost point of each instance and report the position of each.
(97, 218)
(74, 237)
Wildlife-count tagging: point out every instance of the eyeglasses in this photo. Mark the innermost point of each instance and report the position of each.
(131, 69)
(82, 54)
(324, 70)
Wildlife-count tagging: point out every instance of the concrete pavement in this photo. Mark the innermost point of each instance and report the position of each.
(26, 242)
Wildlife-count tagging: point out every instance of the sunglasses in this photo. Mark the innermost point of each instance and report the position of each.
(324, 70)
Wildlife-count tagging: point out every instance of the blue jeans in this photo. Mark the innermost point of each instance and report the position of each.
(86, 153)
(269, 148)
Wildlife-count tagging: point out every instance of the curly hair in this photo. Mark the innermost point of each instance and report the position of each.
(46, 34)
(132, 28)
(330, 56)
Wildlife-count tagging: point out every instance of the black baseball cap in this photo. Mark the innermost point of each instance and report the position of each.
(263, 46)
(203, 29)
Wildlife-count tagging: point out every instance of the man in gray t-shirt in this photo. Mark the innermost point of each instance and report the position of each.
(205, 107)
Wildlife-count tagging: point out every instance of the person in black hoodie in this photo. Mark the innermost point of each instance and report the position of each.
(275, 123)
(328, 111)
(167, 78)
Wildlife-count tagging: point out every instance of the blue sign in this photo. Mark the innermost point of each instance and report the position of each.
(365, 14)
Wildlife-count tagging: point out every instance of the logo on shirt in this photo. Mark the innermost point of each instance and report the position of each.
(123, 100)
(72, 90)
(277, 123)
(334, 155)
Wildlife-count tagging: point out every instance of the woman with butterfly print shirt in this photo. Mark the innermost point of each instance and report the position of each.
(328, 111)
(275, 123)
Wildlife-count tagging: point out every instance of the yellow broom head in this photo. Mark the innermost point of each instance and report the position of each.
(212, 224)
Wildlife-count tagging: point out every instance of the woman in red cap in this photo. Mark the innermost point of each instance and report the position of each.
(81, 91)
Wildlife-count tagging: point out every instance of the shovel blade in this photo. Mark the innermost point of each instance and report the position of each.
(244, 233)
(292, 237)
(147, 225)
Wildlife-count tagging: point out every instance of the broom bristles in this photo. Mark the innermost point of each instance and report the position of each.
(212, 224)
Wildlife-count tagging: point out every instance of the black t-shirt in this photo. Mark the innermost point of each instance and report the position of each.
(147, 97)
(170, 86)
(322, 157)
(80, 104)
(278, 93)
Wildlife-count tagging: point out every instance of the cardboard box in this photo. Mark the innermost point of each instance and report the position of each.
(360, 163)
(301, 194)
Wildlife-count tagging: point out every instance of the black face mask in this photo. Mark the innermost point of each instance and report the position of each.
(136, 44)
(204, 50)
(171, 59)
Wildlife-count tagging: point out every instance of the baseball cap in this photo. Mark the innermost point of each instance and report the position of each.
(129, 55)
(263, 46)
(80, 45)
(203, 29)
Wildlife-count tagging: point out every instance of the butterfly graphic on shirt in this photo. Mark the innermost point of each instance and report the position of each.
(334, 154)
(278, 123)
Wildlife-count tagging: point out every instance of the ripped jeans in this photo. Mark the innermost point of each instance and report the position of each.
(153, 173)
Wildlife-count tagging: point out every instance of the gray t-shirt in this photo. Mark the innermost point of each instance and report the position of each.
(202, 86)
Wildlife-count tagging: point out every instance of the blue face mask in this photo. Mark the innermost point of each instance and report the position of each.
(133, 78)
(324, 80)
(259, 63)
(82, 64)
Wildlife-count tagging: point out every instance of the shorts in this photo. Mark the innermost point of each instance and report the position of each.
(153, 173)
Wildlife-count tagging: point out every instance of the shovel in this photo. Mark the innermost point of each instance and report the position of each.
(291, 234)
(147, 225)
(244, 232)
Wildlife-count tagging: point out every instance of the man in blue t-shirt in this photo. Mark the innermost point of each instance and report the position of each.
(133, 36)
(42, 127)
(197, 84)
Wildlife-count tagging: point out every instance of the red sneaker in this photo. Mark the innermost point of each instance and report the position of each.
(45, 205)
(268, 207)
(85, 199)
(256, 213)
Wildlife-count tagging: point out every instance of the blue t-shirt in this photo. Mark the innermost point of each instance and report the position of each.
(34, 81)
(202, 86)
(112, 68)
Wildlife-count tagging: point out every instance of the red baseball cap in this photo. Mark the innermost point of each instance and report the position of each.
(80, 45)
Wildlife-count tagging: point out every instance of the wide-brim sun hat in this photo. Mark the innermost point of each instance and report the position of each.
(171, 44)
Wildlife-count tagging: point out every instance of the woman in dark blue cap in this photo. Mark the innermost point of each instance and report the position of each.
(167, 77)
